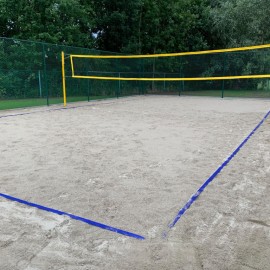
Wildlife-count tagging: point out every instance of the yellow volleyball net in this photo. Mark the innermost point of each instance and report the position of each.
(243, 71)
(235, 63)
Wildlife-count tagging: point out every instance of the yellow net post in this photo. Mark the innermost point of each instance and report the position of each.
(64, 78)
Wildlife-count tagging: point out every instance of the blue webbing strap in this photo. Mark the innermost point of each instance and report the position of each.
(85, 220)
(195, 196)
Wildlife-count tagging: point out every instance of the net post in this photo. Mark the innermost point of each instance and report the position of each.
(64, 78)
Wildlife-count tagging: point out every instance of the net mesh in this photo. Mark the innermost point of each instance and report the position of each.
(30, 74)
(209, 66)
(240, 71)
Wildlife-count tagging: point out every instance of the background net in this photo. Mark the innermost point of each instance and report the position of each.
(30, 74)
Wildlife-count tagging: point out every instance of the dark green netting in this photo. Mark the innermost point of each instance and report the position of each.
(30, 74)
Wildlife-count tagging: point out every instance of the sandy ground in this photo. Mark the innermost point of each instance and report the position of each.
(133, 163)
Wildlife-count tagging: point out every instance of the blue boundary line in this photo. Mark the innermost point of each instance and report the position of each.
(58, 212)
(85, 220)
(195, 196)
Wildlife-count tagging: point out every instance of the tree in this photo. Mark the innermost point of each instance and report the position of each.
(61, 21)
(178, 25)
(116, 24)
(147, 26)
(241, 22)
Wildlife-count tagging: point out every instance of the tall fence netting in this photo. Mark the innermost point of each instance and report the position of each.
(30, 74)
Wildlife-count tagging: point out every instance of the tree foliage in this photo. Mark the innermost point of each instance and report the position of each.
(241, 22)
(138, 26)
(62, 21)
(127, 26)
(147, 26)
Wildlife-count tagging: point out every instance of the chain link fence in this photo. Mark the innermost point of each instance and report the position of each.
(212, 73)
(30, 74)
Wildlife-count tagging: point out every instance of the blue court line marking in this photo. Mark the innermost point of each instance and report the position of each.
(85, 220)
(195, 196)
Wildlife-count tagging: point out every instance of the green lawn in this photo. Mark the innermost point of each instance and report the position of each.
(229, 93)
(21, 103)
(24, 103)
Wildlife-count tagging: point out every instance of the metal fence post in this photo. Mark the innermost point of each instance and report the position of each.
(164, 83)
(223, 74)
(45, 72)
(181, 82)
(88, 87)
(40, 84)
(119, 85)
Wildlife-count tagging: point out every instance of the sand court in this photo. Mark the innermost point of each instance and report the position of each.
(132, 163)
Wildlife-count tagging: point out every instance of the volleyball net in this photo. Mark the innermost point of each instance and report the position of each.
(243, 71)
(237, 63)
